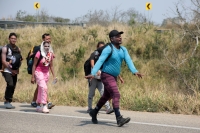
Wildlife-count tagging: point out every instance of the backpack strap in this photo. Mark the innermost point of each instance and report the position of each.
(110, 52)
(31, 51)
(40, 58)
(16, 50)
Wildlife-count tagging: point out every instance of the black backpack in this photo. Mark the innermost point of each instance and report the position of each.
(16, 57)
(87, 65)
(30, 58)
(0, 57)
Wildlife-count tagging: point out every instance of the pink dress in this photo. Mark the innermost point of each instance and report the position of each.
(42, 77)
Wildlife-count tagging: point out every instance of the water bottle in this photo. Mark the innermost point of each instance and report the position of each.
(55, 80)
(30, 62)
(96, 55)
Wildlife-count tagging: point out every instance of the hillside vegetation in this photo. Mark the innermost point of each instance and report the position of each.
(169, 62)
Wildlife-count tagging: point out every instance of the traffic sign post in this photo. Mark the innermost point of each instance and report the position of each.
(148, 6)
(37, 6)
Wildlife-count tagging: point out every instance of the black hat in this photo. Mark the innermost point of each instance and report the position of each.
(115, 33)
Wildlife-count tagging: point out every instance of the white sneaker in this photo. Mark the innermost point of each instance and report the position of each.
(45, 109)
(38, 109)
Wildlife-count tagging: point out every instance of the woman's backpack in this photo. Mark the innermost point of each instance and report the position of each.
(30, 58)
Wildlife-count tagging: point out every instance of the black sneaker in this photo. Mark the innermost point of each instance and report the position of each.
(33, 104)
(88, 111)
(121, 121)
(50, 105)
(93, 114)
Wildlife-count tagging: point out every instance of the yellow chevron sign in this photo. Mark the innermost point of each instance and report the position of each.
(148, 6)
(36, 5)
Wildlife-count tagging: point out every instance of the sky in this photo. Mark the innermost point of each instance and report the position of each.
(72, 9)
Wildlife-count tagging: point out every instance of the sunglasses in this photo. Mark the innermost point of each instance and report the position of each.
(46, 46)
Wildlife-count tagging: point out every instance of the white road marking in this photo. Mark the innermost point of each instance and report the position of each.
(89, 118)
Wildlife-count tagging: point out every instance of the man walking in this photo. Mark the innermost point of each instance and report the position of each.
(46, 38)
(96, 82)
(10, 73)
(111, 69)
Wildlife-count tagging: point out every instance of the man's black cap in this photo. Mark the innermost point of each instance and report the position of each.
(115, 33)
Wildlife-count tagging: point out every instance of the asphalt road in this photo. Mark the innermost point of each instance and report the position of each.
(64, 119)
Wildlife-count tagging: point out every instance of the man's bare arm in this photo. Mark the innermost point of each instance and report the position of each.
(3, 57)
(92, 63)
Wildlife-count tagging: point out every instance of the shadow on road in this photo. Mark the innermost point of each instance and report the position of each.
(2, 107)
(28, 110)
(85, 112)
(82, 111)
(28, 106)
(112, 124)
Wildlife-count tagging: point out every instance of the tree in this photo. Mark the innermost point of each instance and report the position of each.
(20, 15)
(43, 16)
(104, 18)
(62, 20)
(187, 66)
(23, 16)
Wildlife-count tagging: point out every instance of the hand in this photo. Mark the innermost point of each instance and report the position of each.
(14, 72)
(89, 77)
(139, 75)
(98, 73)
(33, 80)
(31, 54)
(121, 80)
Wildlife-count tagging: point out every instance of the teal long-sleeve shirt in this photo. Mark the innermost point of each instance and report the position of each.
(112, 66)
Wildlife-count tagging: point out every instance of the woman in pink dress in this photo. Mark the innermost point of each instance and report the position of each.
(40, 75)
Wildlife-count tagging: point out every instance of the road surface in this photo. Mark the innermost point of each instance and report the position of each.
(65, 119)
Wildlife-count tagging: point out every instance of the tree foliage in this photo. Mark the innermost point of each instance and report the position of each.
(104, 18)
(186, 67)
(40, 16)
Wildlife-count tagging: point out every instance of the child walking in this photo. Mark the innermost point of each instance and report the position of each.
(41, 74)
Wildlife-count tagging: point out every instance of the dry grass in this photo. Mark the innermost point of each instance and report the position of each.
(153, 93)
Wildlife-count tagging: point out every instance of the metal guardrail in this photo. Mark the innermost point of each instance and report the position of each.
(6, 24)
